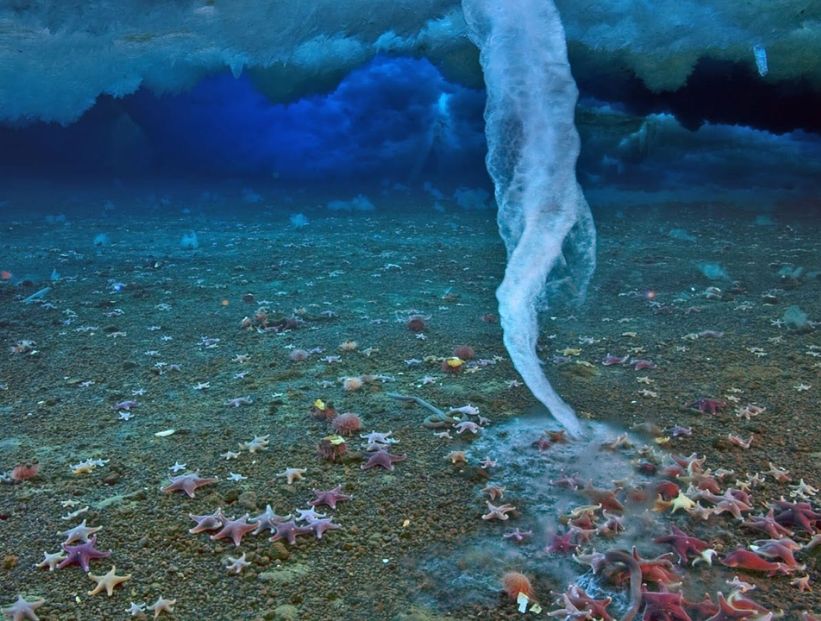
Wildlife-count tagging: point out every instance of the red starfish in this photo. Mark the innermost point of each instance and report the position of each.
(658, 570)
(744, 559)
(595, 608)
(664, 605)
(562, 544)
(728, 610)
(703, 609)
(605, 497)
(683, 543)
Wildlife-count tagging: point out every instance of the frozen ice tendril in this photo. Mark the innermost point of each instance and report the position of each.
(533, 145)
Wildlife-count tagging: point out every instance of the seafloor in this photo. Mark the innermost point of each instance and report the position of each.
(143, 319)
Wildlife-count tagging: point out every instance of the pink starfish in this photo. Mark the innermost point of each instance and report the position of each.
(322, 525)
(329, 497)
(235, 529)
(83, 553)
(212, 521)
(383, 459)
(187, 483)
(767, 524)
(289, 531)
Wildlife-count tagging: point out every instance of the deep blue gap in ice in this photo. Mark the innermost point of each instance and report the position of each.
(396, 118)
(399, 121)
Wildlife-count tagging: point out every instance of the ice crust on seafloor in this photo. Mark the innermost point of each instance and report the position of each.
(56, 58)
(533, 146)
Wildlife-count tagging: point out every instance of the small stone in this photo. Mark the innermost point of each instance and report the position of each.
(248, 500)
(286, 612)
(279, 551)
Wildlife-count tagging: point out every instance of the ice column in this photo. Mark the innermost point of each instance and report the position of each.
(533, 145)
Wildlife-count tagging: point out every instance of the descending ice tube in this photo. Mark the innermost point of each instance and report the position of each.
(533, 145)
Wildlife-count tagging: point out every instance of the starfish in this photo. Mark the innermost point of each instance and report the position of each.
(657, 570)
(744, 559)
(235, 529)
(595, 608)
(79, 533)
(562, 544)
(467, 425)
(321, 526)
(664, 605)
(136, 609)
(51, 560)
(258, 443)
(268, 519)
(187, 483)
(797, 514)
(289, 531)
(377, 441)
(778, 549)
(605, 497)
(107, 581)
(678, 431)
(292, 474)
(683, 544)
(23, 609)
(329, 497)
(517, 535)
(82, 554)
(727, 611)
(497, 512)
(237, 564)
(211, 521)
(767, 524)
(383, 459)
(494, 491)
(705, 405)
(162, 605)
(309, 515)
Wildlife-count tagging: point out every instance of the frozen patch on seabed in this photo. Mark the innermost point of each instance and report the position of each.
(533, 469)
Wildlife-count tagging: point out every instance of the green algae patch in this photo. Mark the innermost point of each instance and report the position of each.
(287, 574)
